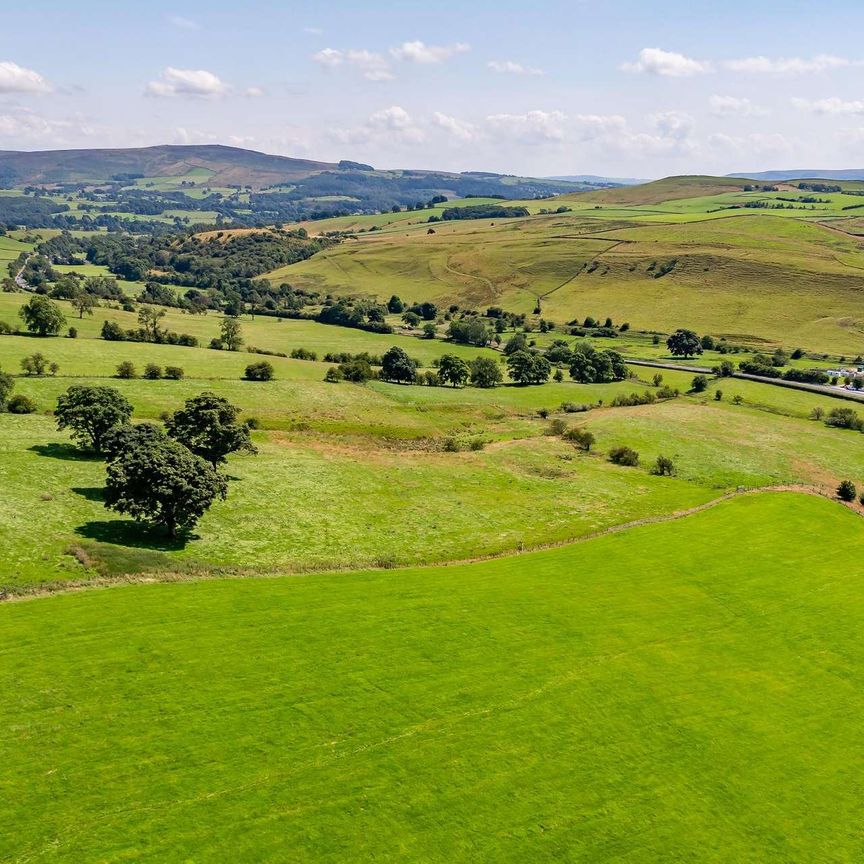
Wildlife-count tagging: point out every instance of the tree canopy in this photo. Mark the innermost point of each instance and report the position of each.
(90, 412)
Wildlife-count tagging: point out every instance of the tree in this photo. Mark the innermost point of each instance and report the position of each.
(485, 372)
(149, 318)
(160, 482)
(846, 490)
(84, 303)
(152, 371)
(525, 367)
(42, 316)
(453, 370)
(231, 334)
(684, 343)
(395, 305)
(120, 439)
(429, 330)
(208, 425)
(517, 342)
(412, 319)
(7, 383)
(397, 366)
(260, 371)
(112, 332)
(89, 412)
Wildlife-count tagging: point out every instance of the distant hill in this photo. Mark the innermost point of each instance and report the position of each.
(221, 166)
(804, 174)
(668, 189)
(597, 180)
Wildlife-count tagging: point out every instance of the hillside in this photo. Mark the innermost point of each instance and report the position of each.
(803, 174)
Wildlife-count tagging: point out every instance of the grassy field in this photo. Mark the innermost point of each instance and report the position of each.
(783, 276)
(676, 692)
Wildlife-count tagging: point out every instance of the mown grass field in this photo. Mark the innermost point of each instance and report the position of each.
(678, 692)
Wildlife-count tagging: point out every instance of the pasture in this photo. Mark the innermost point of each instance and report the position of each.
(679, 691)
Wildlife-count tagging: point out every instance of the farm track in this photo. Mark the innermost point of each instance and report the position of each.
(233, 573)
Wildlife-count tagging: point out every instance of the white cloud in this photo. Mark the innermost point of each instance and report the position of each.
(456, 128)
(831, 105)
(21, 124)
(612, 134)
(17, 79)
(182, 23)
(313, 31)
(370, 65)
(729, 106)
(420, 52)
(513, 68)
(196, 83)
(253, 92)
(757, 145)
(655, 61)
(389, 125)
(533, 127)
(789, 65)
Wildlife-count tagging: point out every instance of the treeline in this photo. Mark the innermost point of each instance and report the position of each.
(482, 211)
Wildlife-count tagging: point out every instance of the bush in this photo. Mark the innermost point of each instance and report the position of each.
(557, 427)
(21, 404)
(844, 418)
(262, 371)
(35, 364)
(476, 444)
(624, 456)
(6, 329)
(303, 354)
(112, 332)
(846, 490)
(126, 369)
(817, 413)
(72, 333)
(152, 371)
(663, 467)
(581, 439)
(334, 375)
(175, 373)
(699, 384)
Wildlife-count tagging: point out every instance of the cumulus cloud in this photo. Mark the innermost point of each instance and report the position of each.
(611, 133)
(533, 127)
(17, 79)
(831, 105)
(420, 52)
(372, 66)
(195, 83)
(512, 68)
(756, 145)
(655, 61)
(21, 124)
(253, 92)
(789, 65)
(458, 129)
(729, 106)
(393, 124)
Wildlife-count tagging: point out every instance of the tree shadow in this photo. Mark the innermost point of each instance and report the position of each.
(91, 493)
(69, 452)
(129, 533)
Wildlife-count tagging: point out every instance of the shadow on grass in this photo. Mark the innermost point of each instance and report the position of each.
(91, 493)
(64, 451)
(129, 533)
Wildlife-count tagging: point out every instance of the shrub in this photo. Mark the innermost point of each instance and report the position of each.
(846, 490)
(21, 404)
(817, 413)
(844, 418)
(431, 378)
(451, 445)
(663, 467)
(303, 354)
(476, 444)
(624, 456)
(657, 380)
(72, 333)
(699, 384)
(215, 344)
(175, 373)
(737, 399)
(261, 371)
(724, 370)
(112, 332)
(35, 364)
(333, 375)
(581, 439)
(6, 329)
(557, 427)
(126, 369)
(718, 395)
(152, 371)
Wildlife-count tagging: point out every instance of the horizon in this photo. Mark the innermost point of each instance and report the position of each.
(621, 91)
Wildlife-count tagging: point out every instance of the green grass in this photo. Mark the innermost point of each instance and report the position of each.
(679, 692)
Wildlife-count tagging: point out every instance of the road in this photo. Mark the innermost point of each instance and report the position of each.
(823, 390)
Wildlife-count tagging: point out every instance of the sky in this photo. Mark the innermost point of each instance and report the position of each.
(622, 88)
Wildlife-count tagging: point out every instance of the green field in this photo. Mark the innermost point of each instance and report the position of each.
(675, 692)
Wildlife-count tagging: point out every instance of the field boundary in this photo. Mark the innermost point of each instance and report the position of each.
(202, 575)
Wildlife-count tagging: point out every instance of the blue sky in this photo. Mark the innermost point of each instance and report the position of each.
(621, 88)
